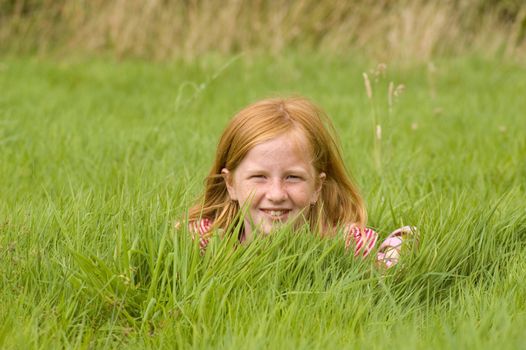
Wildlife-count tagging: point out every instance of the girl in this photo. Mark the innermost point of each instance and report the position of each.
(279, 160)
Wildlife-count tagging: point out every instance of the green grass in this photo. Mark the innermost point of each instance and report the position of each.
(98, 160)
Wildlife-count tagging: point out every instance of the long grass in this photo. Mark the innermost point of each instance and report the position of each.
(161, 30)
(99, 159)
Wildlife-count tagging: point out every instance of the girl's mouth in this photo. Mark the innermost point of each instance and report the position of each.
(277, 214)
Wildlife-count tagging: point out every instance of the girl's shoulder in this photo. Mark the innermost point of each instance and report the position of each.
(364, 239)
(201, 229)
(201, 226)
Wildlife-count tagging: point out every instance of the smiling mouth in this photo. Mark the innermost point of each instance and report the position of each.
(276, 214)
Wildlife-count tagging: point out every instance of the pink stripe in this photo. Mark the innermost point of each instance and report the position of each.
(375, 239)
(365, 241)
(350, 235)
(371, 239)
(357, 233)
(358, 241)
(202, 227)
(359, 246)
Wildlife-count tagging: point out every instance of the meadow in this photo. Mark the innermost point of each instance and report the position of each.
(100, 157)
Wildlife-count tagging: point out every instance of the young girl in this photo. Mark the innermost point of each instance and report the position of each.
(279, 160)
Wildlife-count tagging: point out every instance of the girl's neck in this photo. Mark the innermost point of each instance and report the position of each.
(246, 236)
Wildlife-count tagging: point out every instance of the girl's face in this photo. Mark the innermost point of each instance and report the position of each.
(277, 183)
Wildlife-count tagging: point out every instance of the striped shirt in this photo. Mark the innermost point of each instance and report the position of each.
(361, 241)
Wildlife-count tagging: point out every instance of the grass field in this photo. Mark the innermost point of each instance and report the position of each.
(98, 159)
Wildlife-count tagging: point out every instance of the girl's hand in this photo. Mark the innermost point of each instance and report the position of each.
(389, 250)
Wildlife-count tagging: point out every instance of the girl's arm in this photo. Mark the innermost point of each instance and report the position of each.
(364, 240)
(389, 251)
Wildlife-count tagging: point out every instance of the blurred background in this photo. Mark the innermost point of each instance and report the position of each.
(403, 30)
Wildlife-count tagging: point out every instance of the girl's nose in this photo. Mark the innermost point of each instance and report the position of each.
(276, 192)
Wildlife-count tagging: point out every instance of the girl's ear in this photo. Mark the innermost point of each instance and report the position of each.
(227, 176)
(319, 185)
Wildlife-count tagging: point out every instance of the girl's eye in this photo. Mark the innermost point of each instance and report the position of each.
(293, 178)
(257, 177)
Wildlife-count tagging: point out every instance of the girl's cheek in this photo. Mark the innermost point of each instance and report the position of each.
(258, 191)
(253, 191)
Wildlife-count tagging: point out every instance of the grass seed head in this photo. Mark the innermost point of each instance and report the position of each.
(368, 88)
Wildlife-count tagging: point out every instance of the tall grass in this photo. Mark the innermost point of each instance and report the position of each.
(405, 29)
(99, 159)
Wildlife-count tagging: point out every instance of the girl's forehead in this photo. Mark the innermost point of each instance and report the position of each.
(293, 139)
(287, 147)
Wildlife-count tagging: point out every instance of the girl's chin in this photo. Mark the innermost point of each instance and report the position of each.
(267, 227)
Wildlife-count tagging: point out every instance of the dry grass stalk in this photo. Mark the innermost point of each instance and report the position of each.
(368, 88)
(408, 29)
